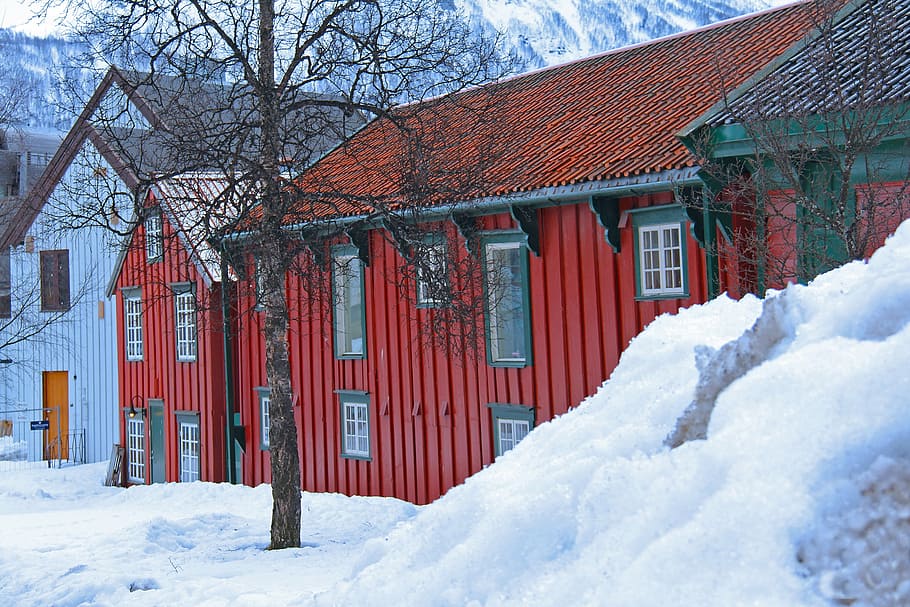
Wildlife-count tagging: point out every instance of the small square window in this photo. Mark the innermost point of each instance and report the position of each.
(132, 314)
(355, 424)
(660, 260)
(188, 432)
(511, 423)
(508, 315)
(265, 418)
(347, 290)
(154, 239)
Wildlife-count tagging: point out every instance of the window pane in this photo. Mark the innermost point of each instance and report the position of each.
(189, 452)
(349, 305)
(505, 290)
(661, 259)
(135, 429)
(356, 427)
(186, 325)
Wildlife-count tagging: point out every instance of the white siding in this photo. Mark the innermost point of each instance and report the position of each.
(80, 343)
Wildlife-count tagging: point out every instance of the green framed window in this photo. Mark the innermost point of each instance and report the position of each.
(355, 424)
(511, 423)
(431, 272)
(660, 252)
(347, 291)
(508, 309)
(189, 446)
(265, 419)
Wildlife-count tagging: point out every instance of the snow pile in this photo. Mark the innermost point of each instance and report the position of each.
(12, 450)
(796, 494)
(593, 509)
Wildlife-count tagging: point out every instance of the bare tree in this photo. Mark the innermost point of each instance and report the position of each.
(282, 82)
(825, 176)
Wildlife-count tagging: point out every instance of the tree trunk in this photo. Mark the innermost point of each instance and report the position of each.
(285, 458)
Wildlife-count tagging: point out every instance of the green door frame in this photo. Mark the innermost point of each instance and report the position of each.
(157, 452)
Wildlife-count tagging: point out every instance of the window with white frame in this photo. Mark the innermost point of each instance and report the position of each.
(347, 286)
(154, 239)
(511, 423)
(185, 322)
(508, 309)
(431, 272)
(265, 417)
(135, 449)
(188, 434)
(355, 424)
(660, 250)
(132, 315)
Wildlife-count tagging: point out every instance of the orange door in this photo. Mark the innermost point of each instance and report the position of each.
(57, 412)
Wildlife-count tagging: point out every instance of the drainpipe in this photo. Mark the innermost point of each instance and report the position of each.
(228, 369)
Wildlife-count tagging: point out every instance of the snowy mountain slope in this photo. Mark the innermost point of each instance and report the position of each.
(540, 32)
(546, 32)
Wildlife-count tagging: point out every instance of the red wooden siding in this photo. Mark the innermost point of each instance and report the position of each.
(429, 421)
(183, 386)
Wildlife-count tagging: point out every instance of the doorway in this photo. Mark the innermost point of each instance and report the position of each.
(57, 414)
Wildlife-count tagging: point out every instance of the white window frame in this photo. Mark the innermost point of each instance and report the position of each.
(431, 272)
(135, 449)
(132, 321)
(185, 324)
(662, 262)
(511, 424)
(189, 445)
(154, 238)
(347, 267)
(355, 424)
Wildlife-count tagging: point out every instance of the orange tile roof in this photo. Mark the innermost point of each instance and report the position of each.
(610, 116)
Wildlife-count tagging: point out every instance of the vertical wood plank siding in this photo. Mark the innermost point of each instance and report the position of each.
(430, 427)
(183, 386)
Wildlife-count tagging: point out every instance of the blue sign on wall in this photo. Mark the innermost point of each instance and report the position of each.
(41, 424)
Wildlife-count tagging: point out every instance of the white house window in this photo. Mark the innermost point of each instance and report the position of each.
(347, 284)
(154, 240)
(132, 312)
(189, 447)
(185, 303)
(265, 417)
(355, 424)
(508, 316)
(661, 259)
(135, 449)
(511, 423)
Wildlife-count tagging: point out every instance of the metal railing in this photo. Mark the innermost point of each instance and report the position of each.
(27, 441)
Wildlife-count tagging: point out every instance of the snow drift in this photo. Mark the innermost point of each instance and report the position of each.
(799, 495)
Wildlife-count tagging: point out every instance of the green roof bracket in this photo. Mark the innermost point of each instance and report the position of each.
(526, 218)
(607, 211)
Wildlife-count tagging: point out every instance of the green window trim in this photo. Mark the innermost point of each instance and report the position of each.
(355, 432)
(493, 241)
(503, 412)
(650, 219)
(341, 313)
(265, 419)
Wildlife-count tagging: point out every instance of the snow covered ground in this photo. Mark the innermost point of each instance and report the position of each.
(800, 496)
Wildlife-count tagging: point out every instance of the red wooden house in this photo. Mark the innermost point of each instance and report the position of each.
(568, 195)
(167, 283)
